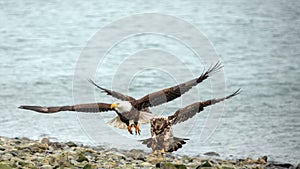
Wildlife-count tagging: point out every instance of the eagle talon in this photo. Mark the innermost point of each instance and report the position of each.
(129, 129)
(137, 129)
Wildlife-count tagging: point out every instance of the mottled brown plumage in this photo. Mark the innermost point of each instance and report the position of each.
(162, 138)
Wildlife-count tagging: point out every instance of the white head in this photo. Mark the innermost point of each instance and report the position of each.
(121, 106)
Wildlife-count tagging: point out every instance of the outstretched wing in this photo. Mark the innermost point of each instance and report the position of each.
(114, 93)
(185, 113)
(174, 92)
(91, 107)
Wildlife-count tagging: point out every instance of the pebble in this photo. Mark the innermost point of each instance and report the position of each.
(44, 154)
(146, 164)
(212, 154)
(2, 148)
(46, 167)
(45, 141)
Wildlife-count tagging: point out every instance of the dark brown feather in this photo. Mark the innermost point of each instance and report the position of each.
(174, 92)
(91, 107)
(162, 136)
(114, 93)
(185, 113)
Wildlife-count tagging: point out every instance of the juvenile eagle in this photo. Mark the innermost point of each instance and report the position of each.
(131, 111)
(162, 139)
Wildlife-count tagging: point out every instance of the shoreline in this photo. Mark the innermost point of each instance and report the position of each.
(44, 154)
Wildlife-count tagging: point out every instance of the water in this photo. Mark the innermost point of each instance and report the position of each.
(258, 43)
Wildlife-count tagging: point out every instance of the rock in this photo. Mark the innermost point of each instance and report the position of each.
(171, 166)
(45, 141)
(38, 147)
(82, 164)
(55, 145)
(71, 144)
(205, 164)
(6, 157)
(227, 167)
(146, 164)
(46, 167)
(23, 153)
(265, 158)
(283, 165)
(137, 154)
(89, 166)
(187, 159)
(262, 160)
(212, 154)
(249, 160)
(180, 166)
(119, 156)
(26, 139)
(154, 159)
(15, 153)
(4, 165)
(26, 164)
(2, 148)
(81, 158)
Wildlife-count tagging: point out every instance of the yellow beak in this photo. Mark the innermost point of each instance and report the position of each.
(114, 105)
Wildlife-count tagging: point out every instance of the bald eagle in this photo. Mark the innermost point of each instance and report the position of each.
(162, 139)
(131, 111)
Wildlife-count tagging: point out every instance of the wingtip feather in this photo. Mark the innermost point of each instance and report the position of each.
(212, 69)
(238, 91)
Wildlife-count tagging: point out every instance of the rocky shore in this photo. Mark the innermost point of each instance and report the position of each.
(26, 153)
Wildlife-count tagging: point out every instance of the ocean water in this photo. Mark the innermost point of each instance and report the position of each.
(257, 42)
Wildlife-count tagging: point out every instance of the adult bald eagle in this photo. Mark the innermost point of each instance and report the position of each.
(162, 139)
(129, 109)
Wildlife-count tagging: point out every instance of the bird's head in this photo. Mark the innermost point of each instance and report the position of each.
(121, 106)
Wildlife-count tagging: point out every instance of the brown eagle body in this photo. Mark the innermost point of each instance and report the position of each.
(162, 138)
(130, 110)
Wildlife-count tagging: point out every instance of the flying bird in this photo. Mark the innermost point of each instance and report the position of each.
(162, 139)
(131, 111)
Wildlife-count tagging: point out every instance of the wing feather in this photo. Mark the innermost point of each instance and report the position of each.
(91, 107)
(185, 113)
(114, 93)
(174, 92)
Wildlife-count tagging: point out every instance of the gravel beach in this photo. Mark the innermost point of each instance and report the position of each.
(44, 154)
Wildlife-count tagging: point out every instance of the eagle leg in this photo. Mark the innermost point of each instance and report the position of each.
(129, 129)
(137, 129)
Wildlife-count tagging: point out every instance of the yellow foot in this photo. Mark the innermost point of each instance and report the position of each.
(137, 129)
(129, 129)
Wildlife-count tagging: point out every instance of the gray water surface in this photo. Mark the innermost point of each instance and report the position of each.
(257, 41)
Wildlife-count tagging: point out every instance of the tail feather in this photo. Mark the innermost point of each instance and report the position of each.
(117, 123)
(148, 142)
(145, 117)
(172, 144)
(176, 144)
